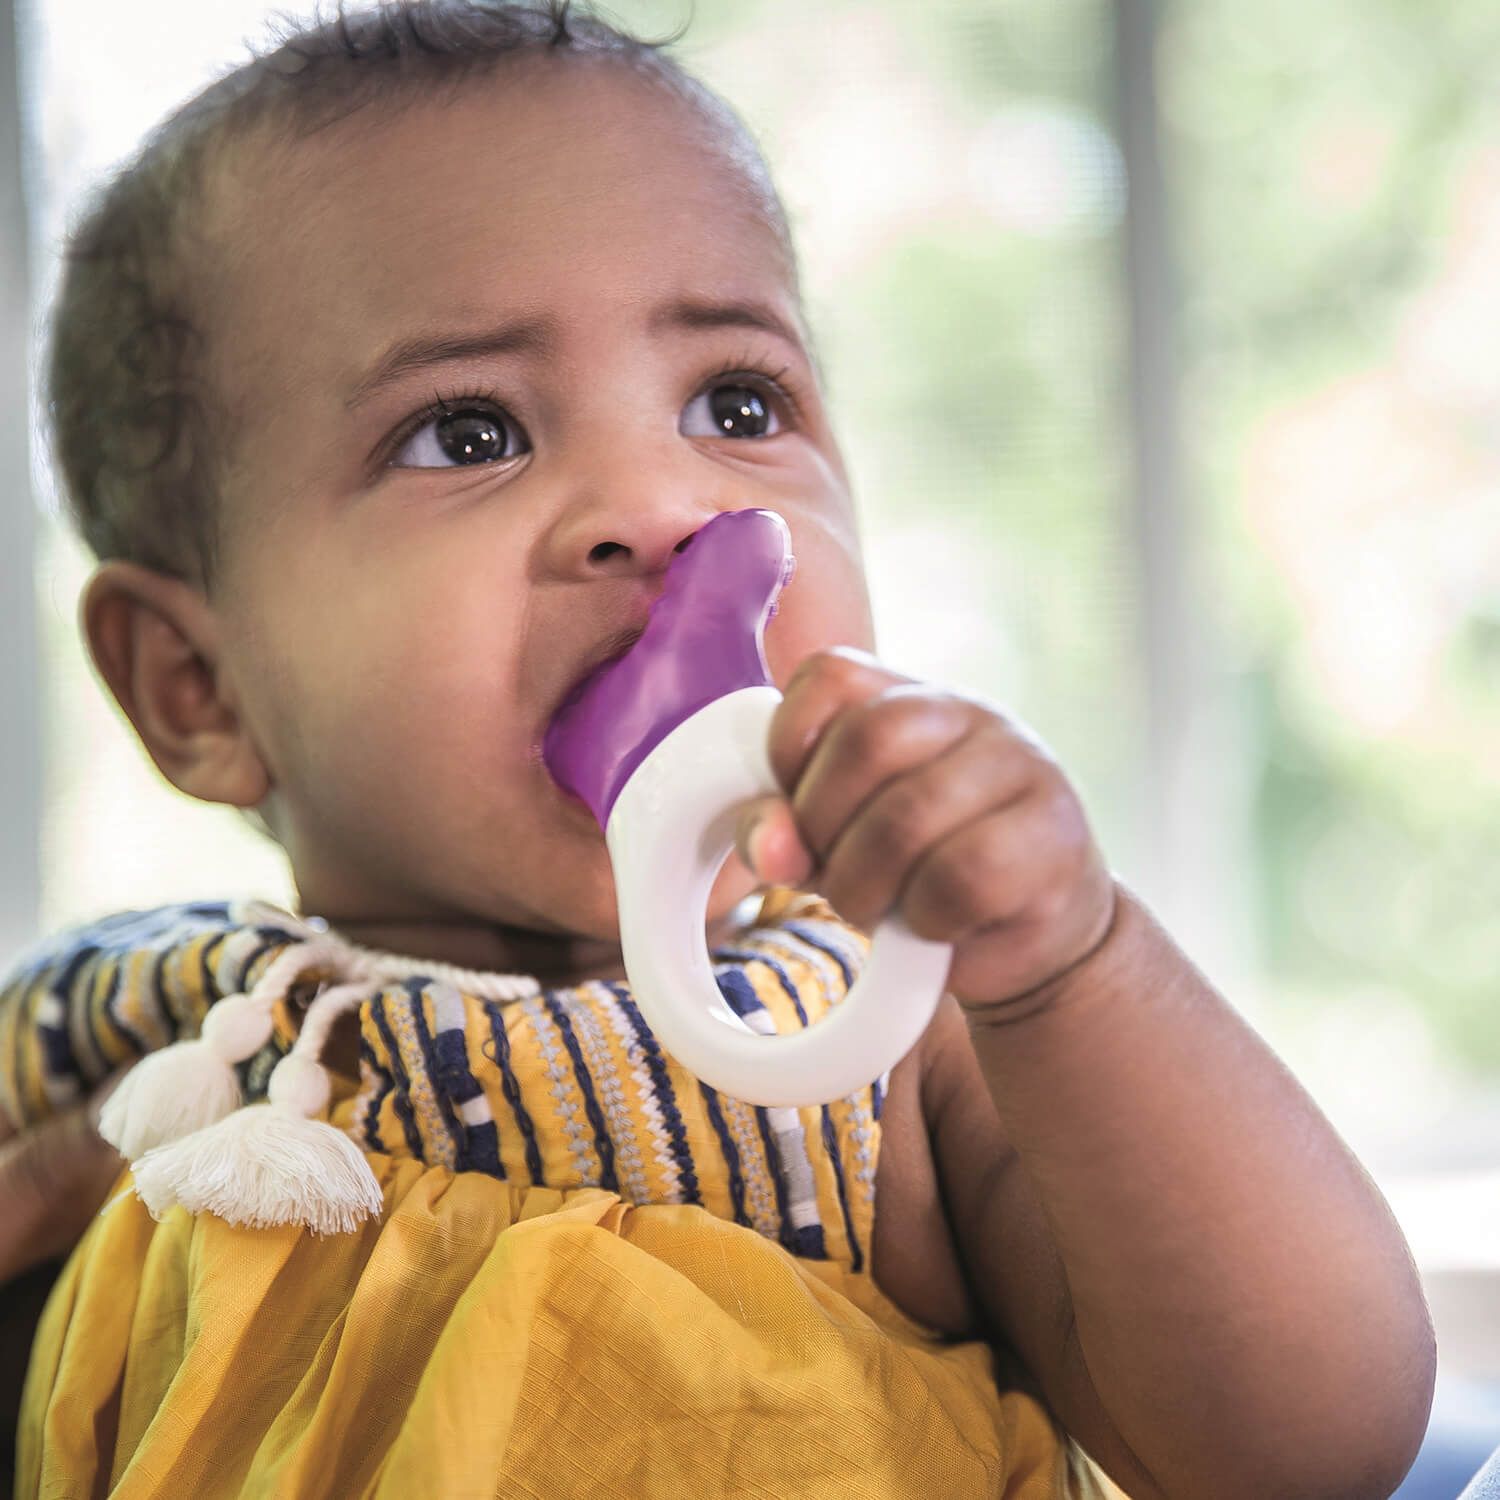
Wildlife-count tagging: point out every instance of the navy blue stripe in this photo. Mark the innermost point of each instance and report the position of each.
(401, 1097)
(455, 1080)
(602, 1143)
(656, 1065)
(250, 962)
(786, 983)
(773, 1166)
(730, 1150)
(807, 1241)
(219, 910)
(831, 1145)
(278, 936)
(80, 978)
(877, 1098)
(484, 1148)
(812, 1235)
(99, 1002)
(495, 1010)
(415, 989)
(739, 994)
(57, 1051)
(110, 1012)
(372, 1113)
(158, 992)
(451, 1050)
(453, 1066)
(206, 970)
(801, 930)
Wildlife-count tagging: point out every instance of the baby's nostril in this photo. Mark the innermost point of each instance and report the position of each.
(606, 549)
(682, 546)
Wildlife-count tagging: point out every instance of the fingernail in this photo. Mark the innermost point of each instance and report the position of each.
(753, 850)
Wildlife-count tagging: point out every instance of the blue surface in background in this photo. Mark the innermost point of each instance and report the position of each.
(1463, 1433)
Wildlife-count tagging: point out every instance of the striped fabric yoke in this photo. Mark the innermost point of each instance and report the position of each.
(559, 1088)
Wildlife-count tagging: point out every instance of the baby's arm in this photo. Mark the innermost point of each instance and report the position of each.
(1210, 1290)
(1212, 1293)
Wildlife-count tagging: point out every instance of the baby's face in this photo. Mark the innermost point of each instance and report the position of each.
(494, 358)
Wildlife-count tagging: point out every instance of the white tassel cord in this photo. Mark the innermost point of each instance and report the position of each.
(191, 1084)
(272, 1163)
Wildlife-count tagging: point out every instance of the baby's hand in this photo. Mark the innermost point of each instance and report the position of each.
(913, 798)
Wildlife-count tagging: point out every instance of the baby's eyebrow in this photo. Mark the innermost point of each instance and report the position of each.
(539, 336)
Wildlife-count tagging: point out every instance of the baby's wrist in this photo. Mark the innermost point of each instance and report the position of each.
(1119, 949)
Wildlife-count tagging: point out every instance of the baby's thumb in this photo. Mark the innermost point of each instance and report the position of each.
(769, 842)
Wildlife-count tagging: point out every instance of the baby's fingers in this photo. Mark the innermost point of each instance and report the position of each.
(825, 683)
(769, 843)
(897, 828)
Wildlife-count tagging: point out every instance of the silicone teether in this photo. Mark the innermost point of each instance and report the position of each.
(664, 744)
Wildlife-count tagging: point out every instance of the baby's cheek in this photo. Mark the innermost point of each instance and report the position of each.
(827, 603)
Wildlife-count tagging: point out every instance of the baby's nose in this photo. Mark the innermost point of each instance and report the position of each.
(602, 552)
(626, 537)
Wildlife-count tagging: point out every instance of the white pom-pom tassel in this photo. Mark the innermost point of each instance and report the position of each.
(268, 1163)
(189, 1085)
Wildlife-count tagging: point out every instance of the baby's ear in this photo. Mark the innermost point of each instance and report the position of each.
(155, 642)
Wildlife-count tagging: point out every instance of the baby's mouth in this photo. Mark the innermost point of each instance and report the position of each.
(701, 640)
(607, 652)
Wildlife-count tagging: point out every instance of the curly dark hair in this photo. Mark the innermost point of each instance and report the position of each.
(140, 439)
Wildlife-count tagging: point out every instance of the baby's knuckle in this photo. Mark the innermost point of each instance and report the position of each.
(929, 922)
(832, 663)
(905, 724)
(865, 732)
(930, 706)
(962, 886)
(1050, 903)
(842, 893)
(899, 826)
(1069, 835)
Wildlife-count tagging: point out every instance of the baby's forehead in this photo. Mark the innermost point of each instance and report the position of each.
(532, 133)
(573, 197)
(553, 183)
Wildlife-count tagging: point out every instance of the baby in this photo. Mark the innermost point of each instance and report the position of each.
(385, 386)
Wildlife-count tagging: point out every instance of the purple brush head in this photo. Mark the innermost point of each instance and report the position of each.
(703, 640)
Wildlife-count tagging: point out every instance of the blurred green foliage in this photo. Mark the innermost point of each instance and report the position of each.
(1326, 161)
(1319, 159)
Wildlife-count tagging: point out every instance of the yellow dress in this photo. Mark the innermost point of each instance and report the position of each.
(592, 1275)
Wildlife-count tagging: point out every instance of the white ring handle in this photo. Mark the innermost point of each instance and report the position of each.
(669, 833)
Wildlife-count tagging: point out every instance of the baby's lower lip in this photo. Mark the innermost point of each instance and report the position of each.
(574, 805)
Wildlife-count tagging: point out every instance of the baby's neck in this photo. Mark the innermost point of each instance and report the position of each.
(555, 961)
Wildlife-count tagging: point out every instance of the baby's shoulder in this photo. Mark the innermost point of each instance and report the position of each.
(157, 929)
(102, 993)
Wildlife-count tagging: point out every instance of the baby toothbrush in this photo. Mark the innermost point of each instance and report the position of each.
(664, 744)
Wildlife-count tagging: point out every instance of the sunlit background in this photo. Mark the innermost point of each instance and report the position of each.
(1164, 343)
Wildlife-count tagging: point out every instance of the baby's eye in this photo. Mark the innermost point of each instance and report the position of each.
(461, 435)
(729, 410)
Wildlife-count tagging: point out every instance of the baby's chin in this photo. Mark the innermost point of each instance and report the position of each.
(586, 909)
